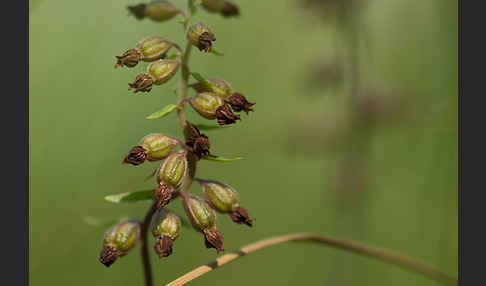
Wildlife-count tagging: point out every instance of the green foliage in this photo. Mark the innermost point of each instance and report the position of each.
(163, 112)
(131, 197)
(220, 159)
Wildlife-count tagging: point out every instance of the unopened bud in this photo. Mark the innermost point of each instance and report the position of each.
(225, 199)
(203, 218)
(239, 103)
(206, 104)
(165, 227)
(174, 170)
(119, 240)
(218, 86)
(158, 72)
(201, 36)
(214, 6)
(158, 146)
(225, 115)
(153, 48)
(158, 11)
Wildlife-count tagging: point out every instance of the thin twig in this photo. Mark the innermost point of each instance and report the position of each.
(375, 252)
(147, 269)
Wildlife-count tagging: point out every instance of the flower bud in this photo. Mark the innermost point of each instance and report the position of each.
(165, 227)
(158, 11)
(230, 9)
(238, 102)
(158, 72)
(205, 104)
(174, 170)
(201, 36)
(158, 146)
(219, 87)
(225, 199)
(119, 240)
(225, 115)
(214, 6)
(203, 218)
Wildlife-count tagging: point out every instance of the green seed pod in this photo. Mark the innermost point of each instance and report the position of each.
(218, 86)
(200, 213)
(225, 199)
(201, 36)
(174, 170)
(158, 146)
(221, 196)
(214, 6)
(153, 48)
(119, 240)
(165, 227)
(161, 11)
(167, 223)
(162, 70)
(205, 104)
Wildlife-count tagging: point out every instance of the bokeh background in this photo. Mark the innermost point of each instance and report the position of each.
(384, 173)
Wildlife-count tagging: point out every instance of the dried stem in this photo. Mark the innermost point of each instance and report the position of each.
(147, 269)
(375, 252)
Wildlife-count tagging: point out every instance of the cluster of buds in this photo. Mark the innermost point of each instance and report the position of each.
(119, 240)
(177, 159)
(225, 8)
(216, 100)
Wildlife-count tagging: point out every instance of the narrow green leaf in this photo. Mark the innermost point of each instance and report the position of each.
(207, 127)
(220, 159)
(131, 197)
(151, 176)
(163, 112)
(201, 79)
(216, 52)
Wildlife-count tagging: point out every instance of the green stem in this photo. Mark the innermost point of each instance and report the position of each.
(147, 269)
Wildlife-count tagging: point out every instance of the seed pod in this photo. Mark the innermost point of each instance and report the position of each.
(201, 36)
(119, 240)
(165, 227)
(218, 86)
(205, 104)
(158, 146)
(158, 11)
(174, 170)
(225, 199)
(153, 48)
(230, 9)
(158, 72)
(214, 6)
(203, 218)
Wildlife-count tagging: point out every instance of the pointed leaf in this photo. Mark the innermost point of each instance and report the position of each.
(131, 197)
(151, 176)
(220, 159)
(163, 112)
(206, 127)
(216, 52)
(201, 79)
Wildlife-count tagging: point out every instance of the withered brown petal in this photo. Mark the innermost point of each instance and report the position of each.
(109, 254)
(238, 102)
(225, 115)
(136, 156)
(163, 194)
(129, 58)
(163, 246)
(205, 41)
(240, 215)
(143, 83)
(213, 239)
(230, 9)
(139, 11)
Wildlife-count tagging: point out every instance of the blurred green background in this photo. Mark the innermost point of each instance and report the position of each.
(83, 121)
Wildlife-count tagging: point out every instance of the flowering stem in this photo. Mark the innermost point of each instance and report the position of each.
(356, 247)
(147, 269)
